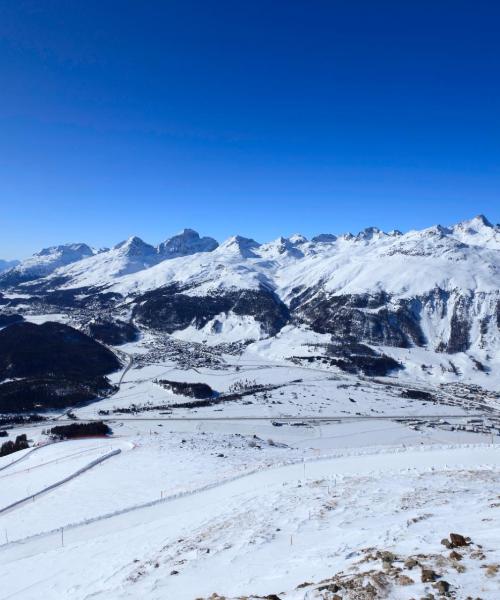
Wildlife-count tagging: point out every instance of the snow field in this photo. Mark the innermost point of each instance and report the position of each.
(272, 530)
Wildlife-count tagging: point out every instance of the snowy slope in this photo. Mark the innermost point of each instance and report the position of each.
(126, 257)
(7, 264)
(273, 530)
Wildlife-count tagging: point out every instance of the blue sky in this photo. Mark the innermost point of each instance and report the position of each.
(260, 118)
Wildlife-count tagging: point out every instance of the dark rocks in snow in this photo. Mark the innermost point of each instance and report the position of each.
(442, 586)
(290, 247)
(428, 575)
(67, 253)
(361, 317)
(460, 326)
(410, 563)
(170, 309)
(329, 587)
(457, 540)
(380, 319)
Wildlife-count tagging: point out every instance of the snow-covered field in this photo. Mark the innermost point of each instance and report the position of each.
(277, 528)
(236, 500)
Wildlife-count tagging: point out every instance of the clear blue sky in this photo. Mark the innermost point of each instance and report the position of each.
(259, 118)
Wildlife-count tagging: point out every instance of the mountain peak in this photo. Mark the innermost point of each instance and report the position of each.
(297, 238)
(134, 246)
(324, 238)
(370, 233)
(186, 242)
(477, 223)
(66, 250)
(242, 245)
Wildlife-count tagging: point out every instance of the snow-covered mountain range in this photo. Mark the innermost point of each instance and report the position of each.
(436, 288)
(45, 262)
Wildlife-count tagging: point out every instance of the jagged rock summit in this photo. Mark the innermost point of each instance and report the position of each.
(185, 243)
